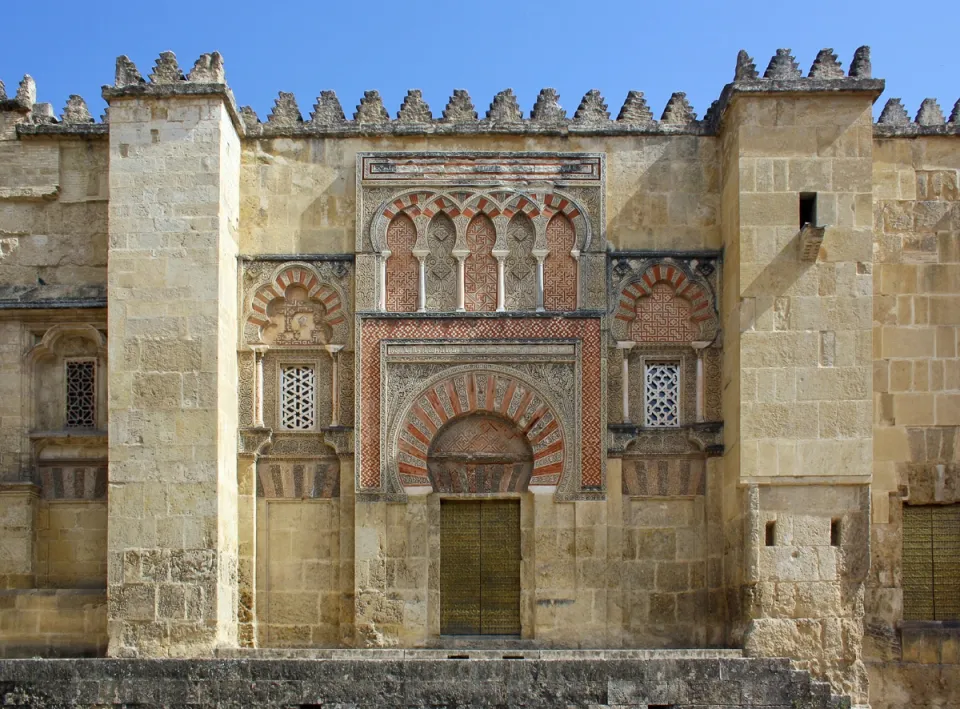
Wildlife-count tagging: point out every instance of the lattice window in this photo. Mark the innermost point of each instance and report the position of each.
(298, 398)
(931, 562)
(81, 397)
(661, 394)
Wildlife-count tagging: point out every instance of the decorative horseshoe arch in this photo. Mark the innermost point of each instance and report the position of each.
(453, 397)
(300, 275)
(495, 202)
(684, 284)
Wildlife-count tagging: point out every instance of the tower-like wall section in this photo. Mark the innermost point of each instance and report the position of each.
(173, 375)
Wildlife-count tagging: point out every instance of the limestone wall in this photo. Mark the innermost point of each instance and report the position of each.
(917, 397)
(71, 544)
(298, 584)
(53, 212)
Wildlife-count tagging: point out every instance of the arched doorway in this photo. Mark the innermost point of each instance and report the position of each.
(480, 454)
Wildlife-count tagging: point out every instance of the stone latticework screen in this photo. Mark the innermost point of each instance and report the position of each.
(480, 268)
(402, 266)
(81, 394)
(560, 268)
(662, 395)
(931, 562)
(298, 395)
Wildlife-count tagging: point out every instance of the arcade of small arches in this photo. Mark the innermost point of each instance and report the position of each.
(479, 252)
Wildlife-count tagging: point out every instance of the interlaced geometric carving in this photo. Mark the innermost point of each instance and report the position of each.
(441, 265)
(402, 267)
(480, 269)
(82, 394)
(662, 316)
(521, 265)
(662, 394)
(560, 268)
(298, 395)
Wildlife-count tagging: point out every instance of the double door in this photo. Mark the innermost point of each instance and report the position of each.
(480, 567)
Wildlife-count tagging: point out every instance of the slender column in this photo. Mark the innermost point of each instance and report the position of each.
(540, 255)
(461, 282)
(501, 257)
(258, 352)
(422, 294)
(625, 348)
(576, 257)
(384, 255)
(699, 347)
(334, 351)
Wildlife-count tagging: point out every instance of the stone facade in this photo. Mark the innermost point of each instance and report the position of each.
(713, 361)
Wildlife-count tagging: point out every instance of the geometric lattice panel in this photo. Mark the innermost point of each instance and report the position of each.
(298, 395)
(82, 394)
(662, 395)
(663, 316)
(480, 269)
(403, 270)
(931, 562)
(560, 268)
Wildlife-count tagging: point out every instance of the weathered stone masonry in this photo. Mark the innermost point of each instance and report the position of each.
(714, 363)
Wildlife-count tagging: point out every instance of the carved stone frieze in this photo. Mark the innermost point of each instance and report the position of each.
(700, 438)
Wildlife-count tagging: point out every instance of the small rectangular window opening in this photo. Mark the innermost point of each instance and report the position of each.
(659, 706)
(808, 209)
(771, 534)
(835, 532)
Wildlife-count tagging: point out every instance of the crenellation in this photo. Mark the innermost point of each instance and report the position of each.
(860, 66)
(678, 110)
(251, 120)
(414, 109)
(3, 91)
(930, 113)
(167, 70)
(894, 113)
(327, 111)
(76, 111)
(127, 73)
(547, 110)
(746, 68)
(635, 110)
(460, 108)
(504, 110)
(592, 110)
(783, 66)
(371, 110)
(285, 111)
(826, 66)
(26, 91)
(208, 69)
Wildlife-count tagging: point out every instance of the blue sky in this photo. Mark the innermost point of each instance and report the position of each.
(484, 47)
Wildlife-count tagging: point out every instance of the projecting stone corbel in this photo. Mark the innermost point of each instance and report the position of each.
(811, 238)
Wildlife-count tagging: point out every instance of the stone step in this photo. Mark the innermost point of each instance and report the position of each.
(419, 679)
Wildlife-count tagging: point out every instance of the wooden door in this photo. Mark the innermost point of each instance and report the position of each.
(480, 567)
